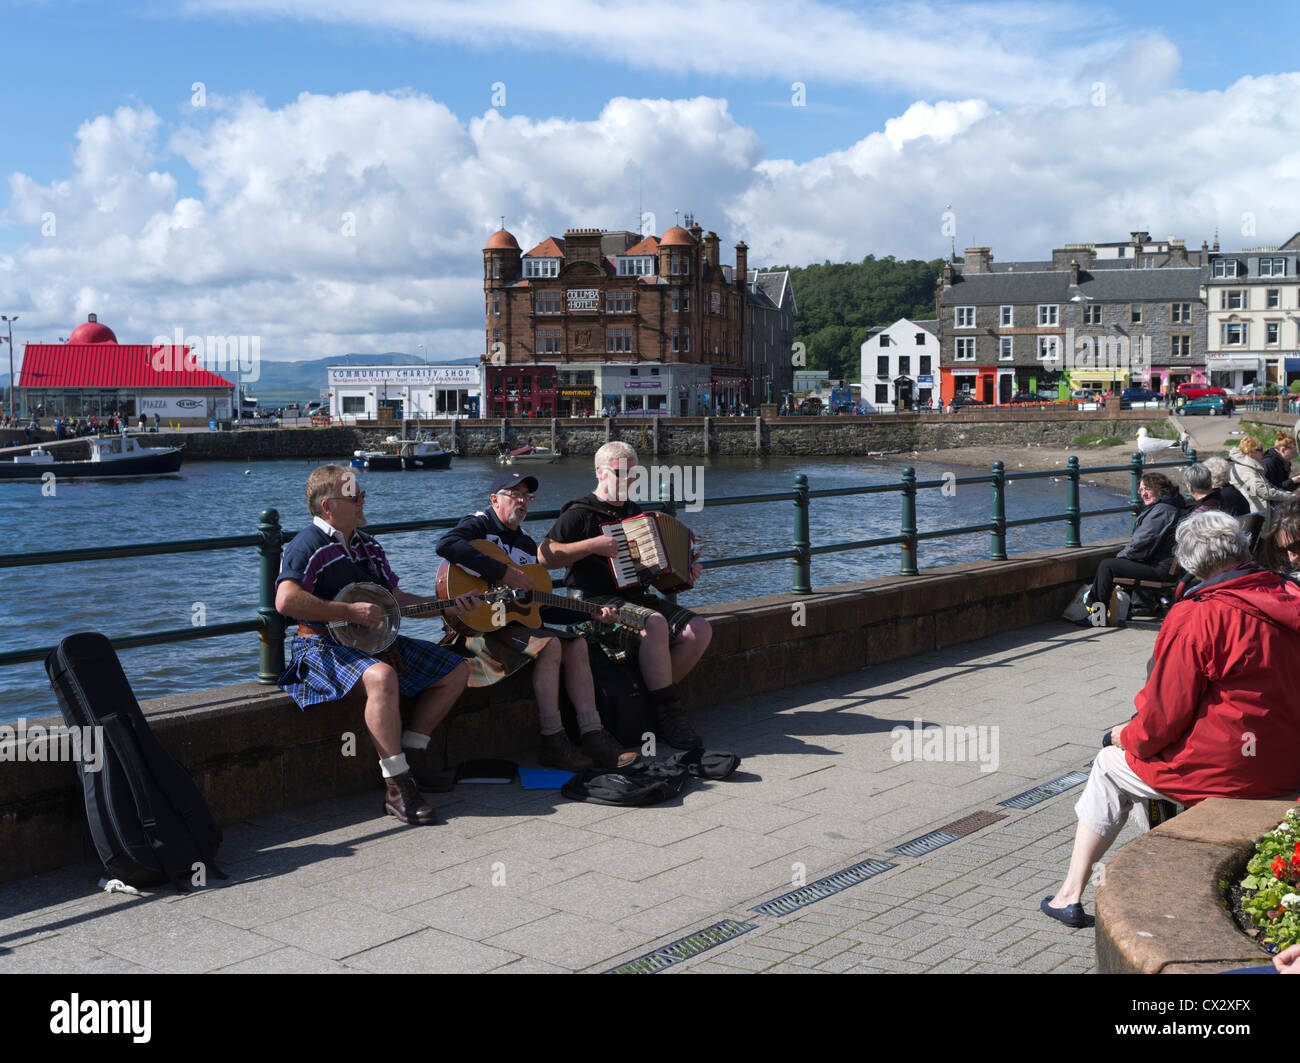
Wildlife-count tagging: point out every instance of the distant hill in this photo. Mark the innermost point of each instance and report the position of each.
(840, 302)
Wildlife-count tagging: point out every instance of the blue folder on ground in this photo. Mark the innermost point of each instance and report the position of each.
(543, 778)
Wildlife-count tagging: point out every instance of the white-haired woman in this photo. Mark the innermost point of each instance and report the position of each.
(1221, 669)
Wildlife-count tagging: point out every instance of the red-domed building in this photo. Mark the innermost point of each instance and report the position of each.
(644, 325)
(92, 375)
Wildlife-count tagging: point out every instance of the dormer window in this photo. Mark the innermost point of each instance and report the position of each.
(541, 267)
(636, 265)
(1225, 267)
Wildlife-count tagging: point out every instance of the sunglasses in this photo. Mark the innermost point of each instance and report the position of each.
(359, 497)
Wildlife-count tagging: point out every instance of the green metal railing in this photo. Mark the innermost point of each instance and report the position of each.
(270, 538)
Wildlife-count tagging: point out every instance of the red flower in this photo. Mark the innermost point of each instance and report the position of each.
(1278, 866)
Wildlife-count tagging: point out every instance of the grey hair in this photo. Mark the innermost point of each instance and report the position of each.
(1210, 542)
(1219, 470)
(1198, 478)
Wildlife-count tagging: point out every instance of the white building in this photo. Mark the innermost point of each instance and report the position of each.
(359, 392)
(1252, 302)
(900, 366)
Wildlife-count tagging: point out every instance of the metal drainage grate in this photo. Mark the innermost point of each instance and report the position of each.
(975, 821)
(684, 948)
(822, 888)
(1051, 788)
(926, 843)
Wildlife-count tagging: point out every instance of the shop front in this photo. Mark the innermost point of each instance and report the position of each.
(1233, 371)
(403, 391)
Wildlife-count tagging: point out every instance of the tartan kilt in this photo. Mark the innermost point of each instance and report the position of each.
(499, 654)
(623, 639)
(321, 670)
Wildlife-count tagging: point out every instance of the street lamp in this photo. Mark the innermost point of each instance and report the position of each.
(11, 320)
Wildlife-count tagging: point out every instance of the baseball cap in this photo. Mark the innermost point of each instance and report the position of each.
(511, 480)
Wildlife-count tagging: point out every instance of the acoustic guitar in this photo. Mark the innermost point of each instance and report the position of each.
(378, 637)
(524, 607)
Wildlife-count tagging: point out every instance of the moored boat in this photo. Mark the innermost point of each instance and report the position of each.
(110, 456)
(527, 454)
(403, 454)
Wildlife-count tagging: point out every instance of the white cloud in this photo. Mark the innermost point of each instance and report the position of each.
(264, 249)
(1015, 52)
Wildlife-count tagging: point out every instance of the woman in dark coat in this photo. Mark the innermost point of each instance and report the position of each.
(1150, 552)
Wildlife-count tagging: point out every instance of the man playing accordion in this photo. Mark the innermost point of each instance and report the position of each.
(666, 639)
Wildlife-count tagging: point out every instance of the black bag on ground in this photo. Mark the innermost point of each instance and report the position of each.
(705, 763)
(621, 698)
(649, 783)
(147, 818)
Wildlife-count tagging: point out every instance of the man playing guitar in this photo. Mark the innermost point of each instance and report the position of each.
(322, 559)
(667, 639)
(504, 651)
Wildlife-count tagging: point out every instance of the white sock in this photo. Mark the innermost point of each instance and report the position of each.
(392, 766)
(414, 740)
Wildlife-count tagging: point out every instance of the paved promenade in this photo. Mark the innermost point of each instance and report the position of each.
(515, 880)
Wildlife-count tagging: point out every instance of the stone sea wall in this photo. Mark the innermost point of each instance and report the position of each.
(685, 436)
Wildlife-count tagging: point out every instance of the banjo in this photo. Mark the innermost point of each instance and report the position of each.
(378, 637)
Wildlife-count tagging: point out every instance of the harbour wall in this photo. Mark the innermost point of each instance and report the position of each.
(253, 752)
(684, 436)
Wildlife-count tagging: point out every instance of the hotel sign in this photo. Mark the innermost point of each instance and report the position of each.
(583, 299)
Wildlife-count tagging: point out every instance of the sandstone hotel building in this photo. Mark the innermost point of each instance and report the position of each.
(648, 326)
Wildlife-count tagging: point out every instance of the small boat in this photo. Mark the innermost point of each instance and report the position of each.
(109, 456)
(403, 454)
(527, 454)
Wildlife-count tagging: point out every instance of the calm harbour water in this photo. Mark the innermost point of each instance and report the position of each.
(136, 595)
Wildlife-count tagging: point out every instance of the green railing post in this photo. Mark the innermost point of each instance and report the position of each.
(1192, 459)
(802, 538)
(998, 543)
(1072, 521)
(272, 634)
(670, 507)
(1135, 483)
(908, 529)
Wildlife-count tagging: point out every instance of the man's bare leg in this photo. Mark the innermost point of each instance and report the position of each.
(693, 641)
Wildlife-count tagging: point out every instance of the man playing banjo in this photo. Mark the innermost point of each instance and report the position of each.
(326, 556)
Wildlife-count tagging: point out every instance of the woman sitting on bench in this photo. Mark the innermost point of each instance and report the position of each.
(1149, 553)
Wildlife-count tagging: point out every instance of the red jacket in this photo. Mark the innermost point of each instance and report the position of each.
(1220, 713)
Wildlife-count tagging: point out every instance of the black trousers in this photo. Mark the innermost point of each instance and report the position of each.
(1104, 582)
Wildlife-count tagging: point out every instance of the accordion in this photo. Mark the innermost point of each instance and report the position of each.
(654, 550)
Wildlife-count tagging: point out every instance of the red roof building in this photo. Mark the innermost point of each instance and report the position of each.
(92, 375)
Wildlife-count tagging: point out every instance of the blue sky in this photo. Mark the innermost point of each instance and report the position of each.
(1037, 123)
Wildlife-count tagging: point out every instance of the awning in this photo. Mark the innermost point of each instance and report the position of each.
(1078, 376)
(1293, 365)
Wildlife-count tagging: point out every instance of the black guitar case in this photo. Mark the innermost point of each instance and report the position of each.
(147, 818)
(621, 699)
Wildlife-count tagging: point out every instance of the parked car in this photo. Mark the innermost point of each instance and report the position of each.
(1021, 397)
(1199, 391)
(964, 399)
(1131, 395)
(1251, 390)
(1212, 405)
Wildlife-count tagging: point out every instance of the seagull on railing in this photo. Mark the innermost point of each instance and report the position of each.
(1149, 446)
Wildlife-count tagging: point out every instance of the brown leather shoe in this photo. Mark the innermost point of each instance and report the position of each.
(606, 750)
(403, 800)
(558, 751)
